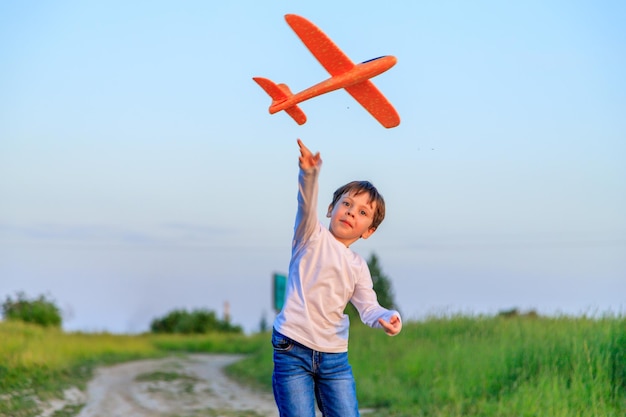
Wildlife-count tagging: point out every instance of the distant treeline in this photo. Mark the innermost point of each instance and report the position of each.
(43, 311)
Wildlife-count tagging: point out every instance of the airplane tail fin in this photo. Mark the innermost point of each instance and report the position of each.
(280, 93)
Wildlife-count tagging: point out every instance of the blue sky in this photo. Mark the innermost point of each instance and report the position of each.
(140, 170)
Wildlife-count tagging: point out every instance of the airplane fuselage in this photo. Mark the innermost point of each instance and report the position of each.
(359, 73)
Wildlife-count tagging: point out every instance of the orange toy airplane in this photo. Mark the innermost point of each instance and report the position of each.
(344, 74)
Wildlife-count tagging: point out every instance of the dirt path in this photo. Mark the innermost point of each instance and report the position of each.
(191, 386)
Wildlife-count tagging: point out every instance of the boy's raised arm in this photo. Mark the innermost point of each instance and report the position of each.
(306, 217)
(307, 159)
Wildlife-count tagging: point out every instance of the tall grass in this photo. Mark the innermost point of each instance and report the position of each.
(217, 342)
(485, 366)
(463, 366)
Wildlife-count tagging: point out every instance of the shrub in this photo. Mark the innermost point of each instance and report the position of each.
(197, 322)
(39, 310)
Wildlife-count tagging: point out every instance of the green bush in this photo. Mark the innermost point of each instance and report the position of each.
(40, 310)
(195, 322)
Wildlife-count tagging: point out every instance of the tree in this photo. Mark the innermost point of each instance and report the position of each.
(382, 284)
(40, 310)
(263, 325)
(382, 287)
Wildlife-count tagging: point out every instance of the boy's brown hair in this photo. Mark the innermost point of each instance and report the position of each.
(358, 187)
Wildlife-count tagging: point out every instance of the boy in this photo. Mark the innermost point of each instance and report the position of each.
(310, 336)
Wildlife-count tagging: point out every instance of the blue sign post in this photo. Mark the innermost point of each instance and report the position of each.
(280, 286)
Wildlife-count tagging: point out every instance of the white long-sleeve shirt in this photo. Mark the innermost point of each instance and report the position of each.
(324, 275)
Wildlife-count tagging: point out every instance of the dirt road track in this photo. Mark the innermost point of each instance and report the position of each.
(190, 386)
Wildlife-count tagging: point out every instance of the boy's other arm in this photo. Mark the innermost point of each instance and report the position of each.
(393, 326)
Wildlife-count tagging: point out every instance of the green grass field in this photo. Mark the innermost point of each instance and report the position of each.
(468, 366)
(452, 366)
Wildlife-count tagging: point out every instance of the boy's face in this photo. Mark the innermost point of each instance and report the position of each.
(351, 218)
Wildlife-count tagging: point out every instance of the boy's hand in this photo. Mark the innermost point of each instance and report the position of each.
(307, 159)
(393, 326)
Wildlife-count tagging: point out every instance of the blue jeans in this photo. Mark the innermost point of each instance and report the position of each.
(303, 376)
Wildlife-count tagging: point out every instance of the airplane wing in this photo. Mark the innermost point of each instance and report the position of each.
(375, 103)
(320, 45)
(337, 63)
